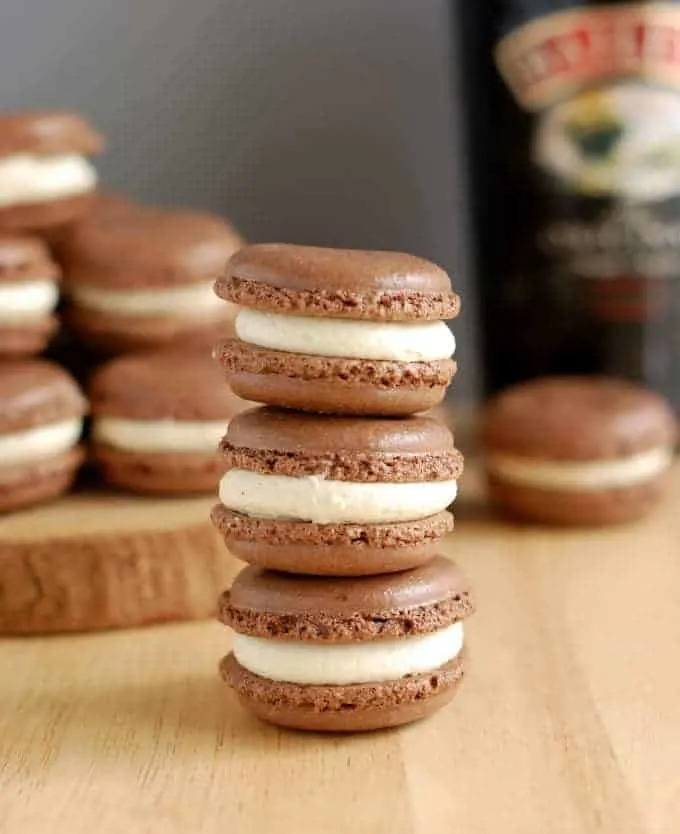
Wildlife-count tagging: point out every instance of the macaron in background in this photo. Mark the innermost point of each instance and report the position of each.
(338, 331)
(578, 450)
(46, 179)
(346, 654)
(140, 278)
(333, 495)
(157, 419)
(41, 417)
(28, 295)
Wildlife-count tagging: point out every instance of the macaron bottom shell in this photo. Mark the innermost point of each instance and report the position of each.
(331, 549)
(48, 214)
(344, 708)
(29, 484)
(334, 385)
(587, 508)
(110, 334)
(26, 338)
(159, 473)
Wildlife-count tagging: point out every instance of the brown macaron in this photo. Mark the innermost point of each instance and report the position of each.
(338, 330)
(336, 496)
(28, 296)
(345, 655)
(157, 421)
(578, 450)
(41, 415)
(45, 178)
(140, 277)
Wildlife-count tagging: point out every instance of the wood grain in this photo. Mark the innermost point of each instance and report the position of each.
(568, 722)
(96, 560)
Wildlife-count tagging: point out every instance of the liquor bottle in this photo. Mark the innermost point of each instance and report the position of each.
(577, 140)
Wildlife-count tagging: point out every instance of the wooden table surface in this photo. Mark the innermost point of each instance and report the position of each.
(569, 720)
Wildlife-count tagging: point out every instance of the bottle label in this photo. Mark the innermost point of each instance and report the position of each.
(603, 84)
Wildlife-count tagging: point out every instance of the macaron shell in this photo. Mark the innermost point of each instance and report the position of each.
(110, 334)
(277, 442)
(177, 384)
(587, 508)
(308, 435)
(25, 258)
(159, 473)
(24, 486)
(35, 392)
(332, 385)
(296, 267)
(344, 609)
(137, 246)
(46, 215)
(351, 708)
(47, 132)
(331, 549)
(377, 305)
(26, 339)
(577, 418)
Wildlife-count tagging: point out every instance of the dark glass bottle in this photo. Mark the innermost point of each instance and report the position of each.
(576, 135)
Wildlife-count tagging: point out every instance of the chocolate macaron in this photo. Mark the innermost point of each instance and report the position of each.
(336, 496)
(140, 277)
(41, 416)
(338, 331)
(46, 179)
(578, 450)
(28, 295)
(157, 421)
(346, 654)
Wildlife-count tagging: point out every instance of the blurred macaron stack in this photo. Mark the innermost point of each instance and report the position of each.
(110, 404)
(87, 277)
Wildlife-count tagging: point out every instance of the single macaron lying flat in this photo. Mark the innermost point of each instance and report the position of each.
(157, 420)
(45, 178)
(338, 331)
(336, 496)
(41, 417)
(346, 654)
(140, 277)
(573, 450)
(28, 295)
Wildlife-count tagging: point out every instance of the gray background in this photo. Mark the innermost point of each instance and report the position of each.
(311, 121)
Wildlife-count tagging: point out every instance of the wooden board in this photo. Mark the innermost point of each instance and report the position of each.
(568, 722)
(98, 559)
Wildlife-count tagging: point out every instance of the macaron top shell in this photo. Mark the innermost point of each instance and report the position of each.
(170, 384)
(340, 609)
(25, 258)
(293, 267)
(577, 419)
(292, 431)
(130, 246)
(351, 283)
(47, 132)
(297, 444)
(37, 392)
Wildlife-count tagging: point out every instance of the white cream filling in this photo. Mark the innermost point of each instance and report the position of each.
(346, 663)
(179, 302)
(313, 498)
(29, 178)
(347, 338)
(36, 444)
(568, 476)
(26, 301)
(159, 435)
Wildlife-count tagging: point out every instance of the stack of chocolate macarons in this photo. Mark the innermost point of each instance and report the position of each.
(337, 489)
(88, 277)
